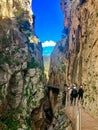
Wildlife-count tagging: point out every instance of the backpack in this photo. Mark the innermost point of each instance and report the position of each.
(74, 92)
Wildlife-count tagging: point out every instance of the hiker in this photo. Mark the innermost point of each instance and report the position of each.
(80, 93)
(73, 95)
(65, 87)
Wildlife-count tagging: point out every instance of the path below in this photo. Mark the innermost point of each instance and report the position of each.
(87, 121)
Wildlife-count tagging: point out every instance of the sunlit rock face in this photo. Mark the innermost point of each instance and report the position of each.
(58, 62)
(81, 63)
(21, 65)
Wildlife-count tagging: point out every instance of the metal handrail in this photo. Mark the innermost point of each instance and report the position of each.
(75, 111)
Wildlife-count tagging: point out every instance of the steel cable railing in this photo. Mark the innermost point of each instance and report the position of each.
(74, 112)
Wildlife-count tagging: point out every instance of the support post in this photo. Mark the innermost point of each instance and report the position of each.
(80, 115)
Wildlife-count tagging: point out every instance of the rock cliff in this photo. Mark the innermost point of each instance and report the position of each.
(75, 57)
(21, 65)
(46, 65)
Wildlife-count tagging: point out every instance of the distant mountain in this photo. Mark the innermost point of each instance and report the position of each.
(46, 64)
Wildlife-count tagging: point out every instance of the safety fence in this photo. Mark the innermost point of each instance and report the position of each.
(74, 112)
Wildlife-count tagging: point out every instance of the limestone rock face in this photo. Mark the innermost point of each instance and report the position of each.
(21, 65)
(80, 58)
(46, 65)
(57, 73)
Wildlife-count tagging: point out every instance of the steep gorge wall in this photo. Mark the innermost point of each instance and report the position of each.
(21, 66)
(75, 57)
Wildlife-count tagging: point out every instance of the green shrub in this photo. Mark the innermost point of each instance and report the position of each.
(5, 58)
(28, 122)
(29, 101)
(16, 50)
(26, 91)
(17, 63)
(33, 64)
(41, 77)
(9, 122)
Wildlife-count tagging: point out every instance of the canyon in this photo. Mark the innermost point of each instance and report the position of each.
(21, 65)
(75, 57)
(27, 100)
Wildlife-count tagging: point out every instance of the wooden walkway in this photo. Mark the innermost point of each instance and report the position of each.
(86, 122)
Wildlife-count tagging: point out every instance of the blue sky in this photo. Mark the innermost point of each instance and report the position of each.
(48, 21)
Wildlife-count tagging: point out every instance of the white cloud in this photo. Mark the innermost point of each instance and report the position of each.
(48, 43)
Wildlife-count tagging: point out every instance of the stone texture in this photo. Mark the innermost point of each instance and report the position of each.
(21, 65)
(80, 57)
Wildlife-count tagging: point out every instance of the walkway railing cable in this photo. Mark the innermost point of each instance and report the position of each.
(74, 111)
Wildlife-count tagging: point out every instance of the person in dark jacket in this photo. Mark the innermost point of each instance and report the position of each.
(73, 96)
(80, 93)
